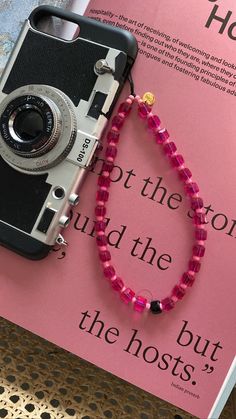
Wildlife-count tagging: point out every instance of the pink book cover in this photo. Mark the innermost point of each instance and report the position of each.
(187, 58)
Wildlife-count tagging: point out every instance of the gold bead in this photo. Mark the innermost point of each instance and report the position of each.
(149, 98)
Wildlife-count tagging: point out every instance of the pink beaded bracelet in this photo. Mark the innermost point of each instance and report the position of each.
(161, 137)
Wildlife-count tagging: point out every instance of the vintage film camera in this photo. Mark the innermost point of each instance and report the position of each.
(56, 97)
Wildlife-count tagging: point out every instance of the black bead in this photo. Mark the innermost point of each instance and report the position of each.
(155, 307)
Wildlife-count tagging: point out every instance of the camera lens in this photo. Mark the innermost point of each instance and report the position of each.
(28, 124)
(38, 127)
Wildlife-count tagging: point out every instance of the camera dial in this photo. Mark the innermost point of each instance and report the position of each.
(37, 127)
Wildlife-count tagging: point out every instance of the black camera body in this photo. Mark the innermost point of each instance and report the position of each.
(56, 97)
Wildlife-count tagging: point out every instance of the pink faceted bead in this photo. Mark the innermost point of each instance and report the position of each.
(104, 181)
(194, 265)
(170, 148)
(199, 250)
(113, 136)
(196, 203)
(117, 284)
(153, 122)
(177, 160)
(100, 226)
(102, 195)
(127, 295)
(118, 121)
(187, 279)
(111, 151)
(143, 110)
(162, 135)
(201, 234)
(140, 304)
(125, 107)
(109, 272)
(100, 210)
(167, 304)
(178, 292)
(192, 188)
(104, 256)
(199, 218)
(101, 240)
(107, 166)
(185, 174)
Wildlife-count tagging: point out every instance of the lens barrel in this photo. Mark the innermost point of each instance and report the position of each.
(38, 127)
(27, 125)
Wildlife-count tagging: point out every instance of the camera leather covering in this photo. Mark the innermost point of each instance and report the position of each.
(68, 67)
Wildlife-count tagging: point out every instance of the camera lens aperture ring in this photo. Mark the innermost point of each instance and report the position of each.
(37, 127)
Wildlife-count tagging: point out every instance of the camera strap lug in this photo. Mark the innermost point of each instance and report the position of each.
(60, 240)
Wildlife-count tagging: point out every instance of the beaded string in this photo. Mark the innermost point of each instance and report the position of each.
(162, 138)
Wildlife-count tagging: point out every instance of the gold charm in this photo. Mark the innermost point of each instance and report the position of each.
(149, 98)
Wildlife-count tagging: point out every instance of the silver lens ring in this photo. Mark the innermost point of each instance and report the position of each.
(37, 127)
